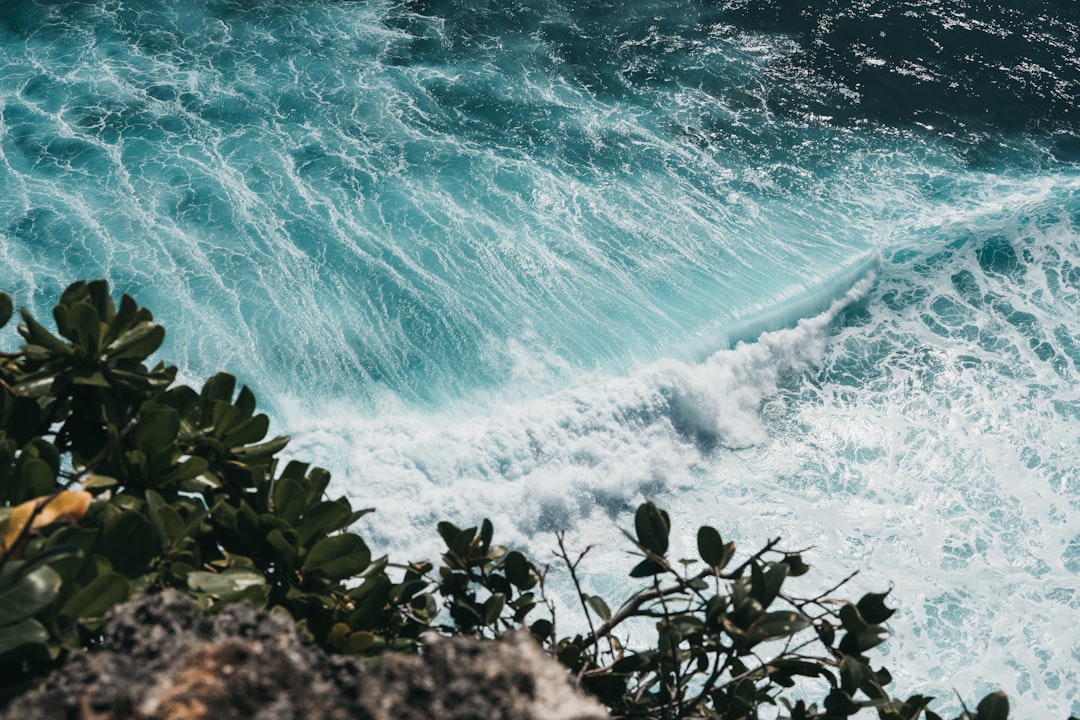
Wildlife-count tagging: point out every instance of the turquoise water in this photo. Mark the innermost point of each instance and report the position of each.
(517, 260)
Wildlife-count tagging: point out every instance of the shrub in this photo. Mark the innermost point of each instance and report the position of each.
(114, 480)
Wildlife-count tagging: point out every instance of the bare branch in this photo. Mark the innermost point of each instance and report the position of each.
(572, 567)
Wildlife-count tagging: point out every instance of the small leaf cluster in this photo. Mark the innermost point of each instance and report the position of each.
(187, 492)
(487, 589)
(115, 480)
(733, 640)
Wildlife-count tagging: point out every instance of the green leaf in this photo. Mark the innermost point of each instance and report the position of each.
(27, 632)
(803, 668)
(100, 482)
(73, 540)
(38, 476)
(247, 525)
(914, 705)
(189, 469)
(121, 321)
(448, 531)
(766, 584)
(201, 483)
(286, 549)
(97, 597)
(541, 630)
(609, 689)
(290, 499)
(319, 479)
(295, 469)
(129, 541)
(796, 566)
(493, 608)
(15, 569)
(872, 608)
(174, 525)
(518, 571)
(338, 557)
(458, 541)
(711, 547)
(358, 642)
(35, 332)
(167, 521)
(224, 416)
(323, 518)
(636, 662)
(851, 619)
(101, 300)
(652, 525)
(270, 447)
(186, 402)
(245, 401)
(247, 431)
(487, 531)
(227, 584)
(645, 568)
(84, 327)
(91, 379)
(73, 293)
(599, 606)
(157, 428)
(854, 673)
(840, 704)
(994, 706)
(28, 595)
(138, 343)
(6, 309)
(370, 599)
(36, 384)
(142, 380)
(219, 387)
(855, 643)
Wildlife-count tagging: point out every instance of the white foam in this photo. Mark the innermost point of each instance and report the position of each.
(577, 458)
(930, 443)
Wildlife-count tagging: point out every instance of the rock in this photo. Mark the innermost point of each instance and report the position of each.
(466, 679)
(161, 658)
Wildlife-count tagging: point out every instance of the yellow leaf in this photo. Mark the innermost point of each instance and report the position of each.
(68, 506)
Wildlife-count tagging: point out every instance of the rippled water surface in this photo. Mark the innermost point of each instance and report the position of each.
(516, 259)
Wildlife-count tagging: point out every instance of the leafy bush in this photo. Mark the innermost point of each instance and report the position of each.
(114, 480)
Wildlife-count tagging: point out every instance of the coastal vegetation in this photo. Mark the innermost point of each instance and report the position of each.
(117, 480)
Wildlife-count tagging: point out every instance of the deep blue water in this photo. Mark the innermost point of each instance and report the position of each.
(516, 258)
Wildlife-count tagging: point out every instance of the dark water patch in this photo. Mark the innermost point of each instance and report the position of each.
(997, 255)
(962, 68)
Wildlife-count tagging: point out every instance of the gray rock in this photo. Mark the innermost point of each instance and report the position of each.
(161, 658)
(465, 679)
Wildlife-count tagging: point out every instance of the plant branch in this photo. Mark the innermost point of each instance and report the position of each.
(560, 537)
(27, 528)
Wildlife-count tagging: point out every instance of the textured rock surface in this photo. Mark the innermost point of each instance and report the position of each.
(162, 658)
(506, 680)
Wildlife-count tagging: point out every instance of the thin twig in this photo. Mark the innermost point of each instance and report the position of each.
(630, 609)
(673, 638)
(632, 605)
(737, 572)
(572, 567)
(834, 588)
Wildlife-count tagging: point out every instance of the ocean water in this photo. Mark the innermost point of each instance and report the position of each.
(802, 269)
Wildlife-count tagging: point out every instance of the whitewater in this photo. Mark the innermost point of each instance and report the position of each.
(797, 269)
